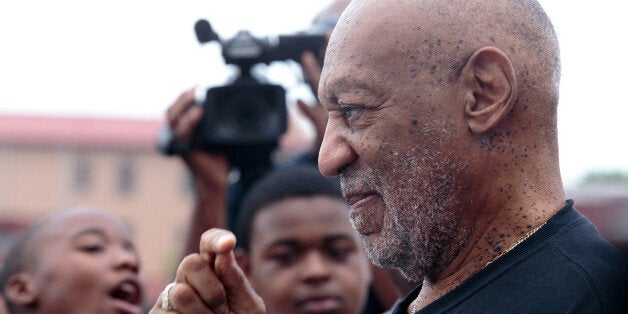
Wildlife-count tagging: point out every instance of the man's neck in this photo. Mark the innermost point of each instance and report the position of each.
(491, 237)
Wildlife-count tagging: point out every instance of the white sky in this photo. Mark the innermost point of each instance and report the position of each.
(132, 58)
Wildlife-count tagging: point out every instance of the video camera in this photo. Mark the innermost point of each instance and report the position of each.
(245, 118)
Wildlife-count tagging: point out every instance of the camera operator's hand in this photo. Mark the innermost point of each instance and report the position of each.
(210, 170)
(211, 281)
(316, 113)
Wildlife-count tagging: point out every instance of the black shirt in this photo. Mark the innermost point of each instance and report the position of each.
(564, 267)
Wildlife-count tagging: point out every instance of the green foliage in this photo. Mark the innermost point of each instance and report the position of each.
(615, 176)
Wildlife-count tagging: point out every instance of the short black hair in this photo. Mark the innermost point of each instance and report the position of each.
(279, 184)
(18, 259)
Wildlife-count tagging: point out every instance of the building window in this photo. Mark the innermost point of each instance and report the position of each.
(126, 175)
(82, 173)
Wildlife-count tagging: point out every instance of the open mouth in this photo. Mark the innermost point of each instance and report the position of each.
(321, 304)
(128, 293)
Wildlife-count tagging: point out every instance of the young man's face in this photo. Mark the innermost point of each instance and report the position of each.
(305, 258)
(86, 263)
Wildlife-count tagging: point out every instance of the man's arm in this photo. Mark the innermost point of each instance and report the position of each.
(210, 172)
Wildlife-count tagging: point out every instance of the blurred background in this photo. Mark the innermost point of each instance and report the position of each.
(84, 86)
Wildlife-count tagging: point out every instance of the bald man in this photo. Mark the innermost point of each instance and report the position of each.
(442, 128)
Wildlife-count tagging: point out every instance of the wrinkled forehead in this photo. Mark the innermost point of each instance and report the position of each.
(370, 38)
(382, 23)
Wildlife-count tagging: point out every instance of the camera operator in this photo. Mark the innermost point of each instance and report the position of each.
(210, 169)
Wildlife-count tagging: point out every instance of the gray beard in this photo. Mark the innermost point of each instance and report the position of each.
(421, 199)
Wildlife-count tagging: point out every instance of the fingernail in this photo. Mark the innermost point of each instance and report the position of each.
(221, 240)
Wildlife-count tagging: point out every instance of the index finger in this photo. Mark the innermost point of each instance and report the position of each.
(311, 70)
(180, 106)
(217, 246)
(216, 241)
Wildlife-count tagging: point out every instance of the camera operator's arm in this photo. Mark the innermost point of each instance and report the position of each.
(316, 113)
(210, 172)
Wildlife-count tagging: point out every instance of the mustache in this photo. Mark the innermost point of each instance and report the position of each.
(353, 179)
(350, 177)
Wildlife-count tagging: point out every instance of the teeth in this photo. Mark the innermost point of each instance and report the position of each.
(128, 288)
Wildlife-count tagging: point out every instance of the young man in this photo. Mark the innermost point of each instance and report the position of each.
(297, 248)
(74, 261)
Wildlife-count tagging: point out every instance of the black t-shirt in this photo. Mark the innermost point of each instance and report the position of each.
(564, 267)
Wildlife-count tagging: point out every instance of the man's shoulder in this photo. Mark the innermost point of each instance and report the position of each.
(572, 261)
(574, 241)
(566, 266)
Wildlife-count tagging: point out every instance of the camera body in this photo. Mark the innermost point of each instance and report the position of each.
(246, 117)
(244, 120)
(242, 114)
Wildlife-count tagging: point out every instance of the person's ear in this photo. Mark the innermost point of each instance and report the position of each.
(489, 88)
(21, 289)
(243, 260)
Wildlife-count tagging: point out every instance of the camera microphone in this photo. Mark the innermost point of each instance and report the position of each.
(204, 32)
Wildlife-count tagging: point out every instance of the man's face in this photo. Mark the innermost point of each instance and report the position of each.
(86, 264)
(306, 258)
(390, 137)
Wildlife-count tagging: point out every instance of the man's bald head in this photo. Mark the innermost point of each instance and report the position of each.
(442, 109)
(442, 35)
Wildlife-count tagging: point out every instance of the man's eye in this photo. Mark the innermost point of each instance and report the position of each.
(285, 258)
(350, 111)
(92, 248)
(339, 255)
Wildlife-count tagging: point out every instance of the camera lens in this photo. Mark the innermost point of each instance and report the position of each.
(242, 114)
(247, 113)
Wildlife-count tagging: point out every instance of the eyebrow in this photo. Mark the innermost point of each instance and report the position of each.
(95, 231)
(340, 85)
(101, 233)
(295, 243)
(338, 237)
(346, 84)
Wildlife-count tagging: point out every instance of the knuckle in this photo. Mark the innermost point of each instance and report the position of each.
(192, 263)
(183, 296)
(217, 300)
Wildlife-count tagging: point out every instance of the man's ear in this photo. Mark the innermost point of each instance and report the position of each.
(21, 290)
(489, 88)
(243, 260)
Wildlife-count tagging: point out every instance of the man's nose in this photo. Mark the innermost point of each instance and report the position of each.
(315, 269)
(126, 258)
(335, 152)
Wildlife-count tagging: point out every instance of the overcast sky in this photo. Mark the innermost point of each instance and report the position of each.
(132, 58)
